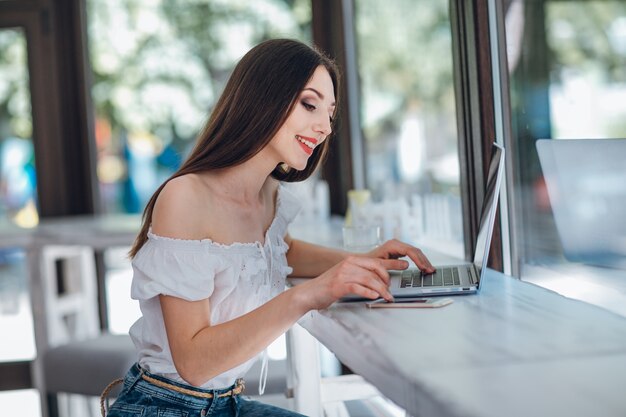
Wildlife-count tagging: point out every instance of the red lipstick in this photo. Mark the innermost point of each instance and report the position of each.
(306, 148)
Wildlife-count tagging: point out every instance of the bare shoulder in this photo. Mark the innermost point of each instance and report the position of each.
(181, 207)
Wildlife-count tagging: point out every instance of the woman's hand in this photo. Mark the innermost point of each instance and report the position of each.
(356, 275)
(394, 249)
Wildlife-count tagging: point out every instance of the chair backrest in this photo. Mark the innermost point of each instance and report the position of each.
(70, 293)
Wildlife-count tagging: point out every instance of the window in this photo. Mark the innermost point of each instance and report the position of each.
(157, 76)
(17, 194)
(567, 81)
(17, 160)
(17, 207)
(408, 116)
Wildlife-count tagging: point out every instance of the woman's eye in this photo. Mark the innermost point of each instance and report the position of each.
(308, 106)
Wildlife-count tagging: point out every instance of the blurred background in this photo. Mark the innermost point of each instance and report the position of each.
(153, 70)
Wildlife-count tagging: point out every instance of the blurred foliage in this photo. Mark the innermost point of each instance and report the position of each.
(572, 83)
(589, 36)
(15, 108)
(405, 46)
(159, 65)
(405, 52)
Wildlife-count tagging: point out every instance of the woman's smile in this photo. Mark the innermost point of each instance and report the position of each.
(307, 144)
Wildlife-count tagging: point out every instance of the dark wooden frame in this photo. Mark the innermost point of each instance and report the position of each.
(61, 108)
(61, 115)
(475, 116)
(343, 169)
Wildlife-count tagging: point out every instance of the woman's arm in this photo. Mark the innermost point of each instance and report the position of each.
(202, 351)
(309, 260)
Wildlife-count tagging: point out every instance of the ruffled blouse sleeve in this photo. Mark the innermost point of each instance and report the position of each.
(179, 268)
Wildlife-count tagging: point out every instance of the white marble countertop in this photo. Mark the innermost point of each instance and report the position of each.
(604, 287)
(514, 349)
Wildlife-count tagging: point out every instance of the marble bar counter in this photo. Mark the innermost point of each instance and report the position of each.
(514, 349)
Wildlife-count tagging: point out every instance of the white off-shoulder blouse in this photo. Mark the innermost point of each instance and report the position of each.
(237, 278)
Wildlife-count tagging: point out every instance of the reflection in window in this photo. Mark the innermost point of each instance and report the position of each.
(159, 67)
(408, 116)
(566, 62)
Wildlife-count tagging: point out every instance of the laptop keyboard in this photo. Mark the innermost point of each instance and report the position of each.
(441, 278)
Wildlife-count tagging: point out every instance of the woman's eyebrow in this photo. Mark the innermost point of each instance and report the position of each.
(320, 95)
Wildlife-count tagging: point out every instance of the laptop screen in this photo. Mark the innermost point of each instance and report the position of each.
(490, 203)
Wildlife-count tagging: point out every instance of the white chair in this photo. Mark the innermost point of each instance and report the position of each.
(74, 357)
(313, 395)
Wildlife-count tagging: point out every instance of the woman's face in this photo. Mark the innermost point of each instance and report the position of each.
(309, 124)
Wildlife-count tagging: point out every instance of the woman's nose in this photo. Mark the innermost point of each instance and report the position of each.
(324, 126)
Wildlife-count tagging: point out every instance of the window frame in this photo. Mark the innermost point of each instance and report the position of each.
(61, 122)
(61, 108)
(333, 32)
(476, 118)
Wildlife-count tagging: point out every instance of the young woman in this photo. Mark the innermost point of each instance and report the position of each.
(211, 259)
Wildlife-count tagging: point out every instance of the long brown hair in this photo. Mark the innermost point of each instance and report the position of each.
(259, 96)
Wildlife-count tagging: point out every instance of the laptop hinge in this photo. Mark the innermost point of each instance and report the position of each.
(474, 274)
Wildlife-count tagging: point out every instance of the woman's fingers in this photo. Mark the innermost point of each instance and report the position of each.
(378, 266)
(368, 276)
(394, 264)
(363, 277)
(372, 273)
(420, 259)
(364, 291)
(372, 288)
(395, 248)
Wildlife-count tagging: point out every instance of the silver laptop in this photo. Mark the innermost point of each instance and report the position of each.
(460, 278)
(586, 184)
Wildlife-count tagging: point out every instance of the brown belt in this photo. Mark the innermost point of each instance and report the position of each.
(238, 389)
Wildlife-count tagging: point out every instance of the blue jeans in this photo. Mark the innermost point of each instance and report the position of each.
(139, 397)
